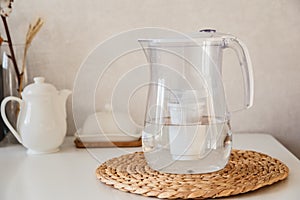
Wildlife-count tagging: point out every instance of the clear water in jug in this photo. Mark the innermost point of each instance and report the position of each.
(187, 123)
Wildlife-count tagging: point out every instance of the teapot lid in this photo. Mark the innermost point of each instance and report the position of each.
(39, 87)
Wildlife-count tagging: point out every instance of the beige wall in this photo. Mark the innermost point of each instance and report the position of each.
(269, 28)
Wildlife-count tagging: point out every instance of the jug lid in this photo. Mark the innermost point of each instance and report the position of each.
(204, 36)
(39, 87)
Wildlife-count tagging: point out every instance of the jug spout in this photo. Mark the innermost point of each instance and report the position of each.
(145, 46)
(63, 96)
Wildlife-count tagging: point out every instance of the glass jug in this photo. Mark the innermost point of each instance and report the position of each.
(187, 122)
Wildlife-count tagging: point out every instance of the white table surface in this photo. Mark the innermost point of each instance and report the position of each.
(70, 173)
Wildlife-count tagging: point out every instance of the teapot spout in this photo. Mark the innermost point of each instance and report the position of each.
(65, 93)
(63, 96)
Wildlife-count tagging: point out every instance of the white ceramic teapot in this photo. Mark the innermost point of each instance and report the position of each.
(41, 124)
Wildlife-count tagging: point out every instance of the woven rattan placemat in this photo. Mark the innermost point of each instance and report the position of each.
(246, 171)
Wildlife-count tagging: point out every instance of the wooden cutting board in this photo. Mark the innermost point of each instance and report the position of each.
(98, 144)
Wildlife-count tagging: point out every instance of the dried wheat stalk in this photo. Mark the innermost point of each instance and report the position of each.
(31, 33)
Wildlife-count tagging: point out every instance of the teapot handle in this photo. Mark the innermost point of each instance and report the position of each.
(245, 63)
(4, 117)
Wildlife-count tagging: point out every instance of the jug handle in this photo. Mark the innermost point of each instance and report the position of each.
(4, 117)
(245, 63)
